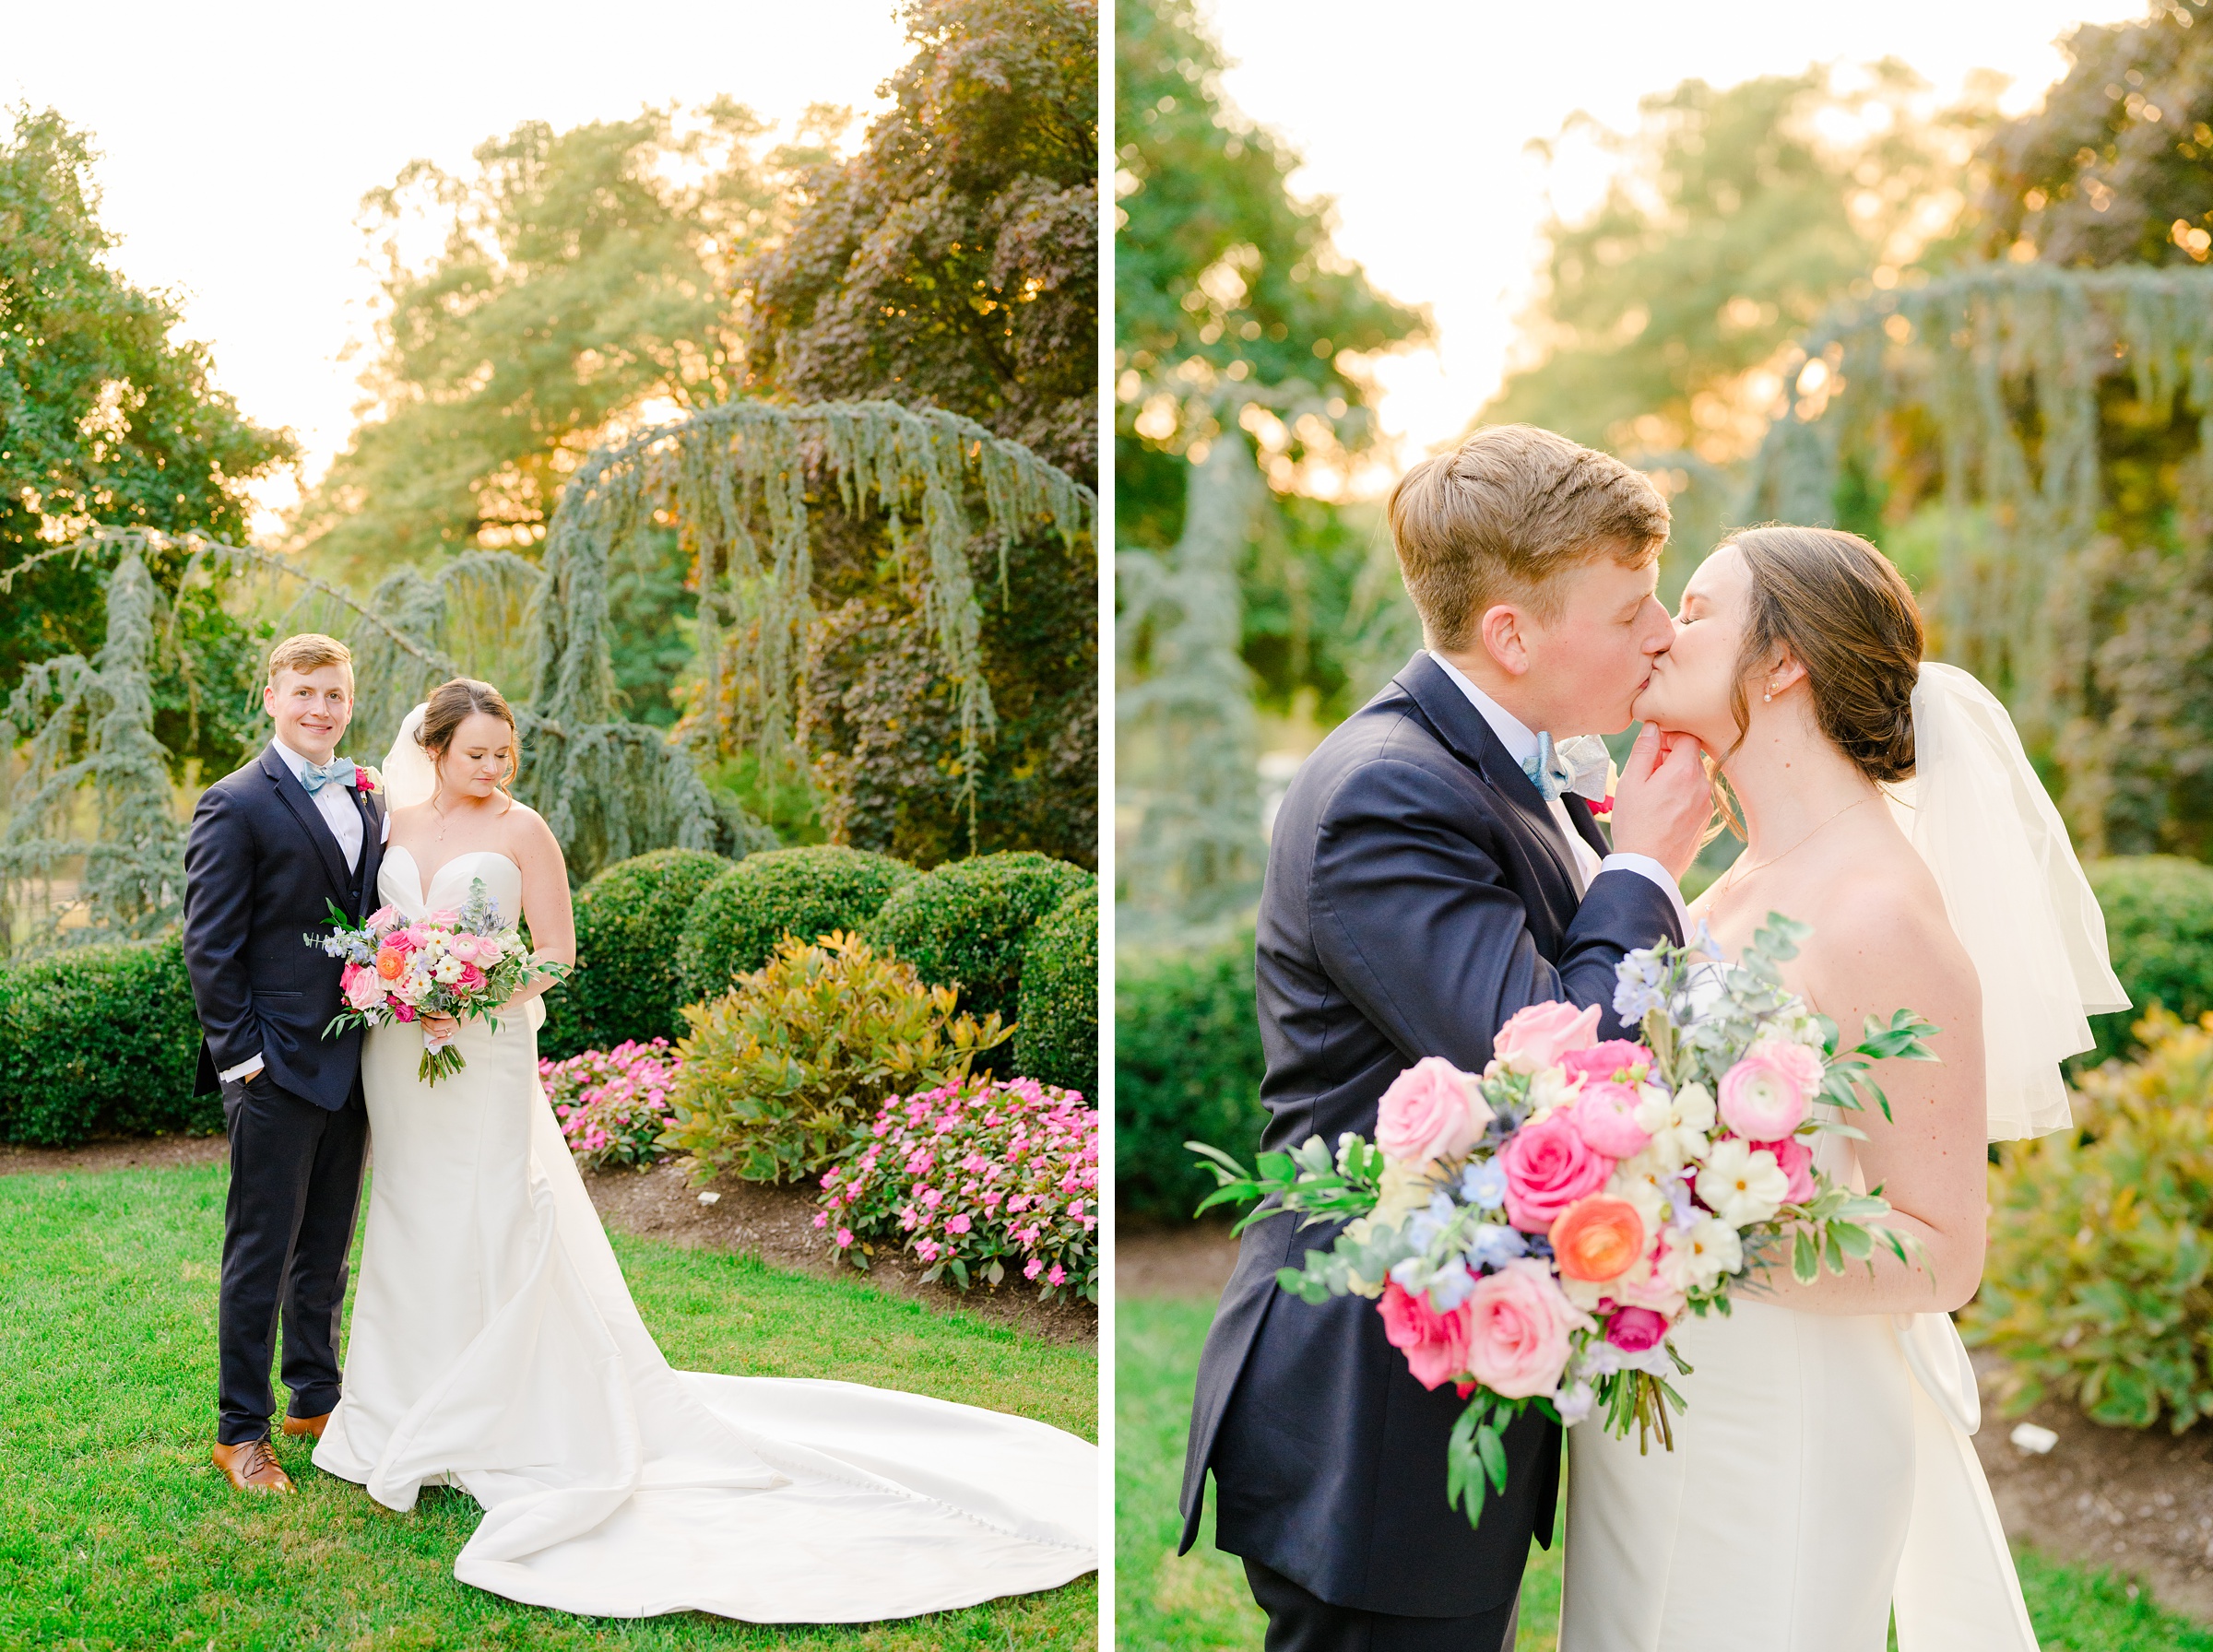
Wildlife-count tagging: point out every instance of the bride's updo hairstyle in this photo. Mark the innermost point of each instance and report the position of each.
(1841, 610)
(452, 703)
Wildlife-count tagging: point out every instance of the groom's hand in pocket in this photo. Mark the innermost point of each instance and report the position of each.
(1664, 801)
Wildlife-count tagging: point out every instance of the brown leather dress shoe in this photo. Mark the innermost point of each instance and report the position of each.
(311, 1427)
(253, 1466)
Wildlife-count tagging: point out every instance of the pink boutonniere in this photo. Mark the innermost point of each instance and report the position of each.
(364, 780)
(1603, 809)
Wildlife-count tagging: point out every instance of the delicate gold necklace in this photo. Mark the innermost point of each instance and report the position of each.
(1730, 879)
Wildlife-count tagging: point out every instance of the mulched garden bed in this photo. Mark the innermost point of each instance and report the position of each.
(774, 1224)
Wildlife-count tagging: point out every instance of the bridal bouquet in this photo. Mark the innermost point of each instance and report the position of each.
(1532, 1233)
(464, 964)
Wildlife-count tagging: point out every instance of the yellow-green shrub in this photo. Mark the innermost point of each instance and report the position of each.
(782, 1072)
(2096, 1289)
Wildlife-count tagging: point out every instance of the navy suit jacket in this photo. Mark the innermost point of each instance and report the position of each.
(260, 868)
(1418, 894)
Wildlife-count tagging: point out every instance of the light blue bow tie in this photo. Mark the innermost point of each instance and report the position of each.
(1578, 764)
(338, 771)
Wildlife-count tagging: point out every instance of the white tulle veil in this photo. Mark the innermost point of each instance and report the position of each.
(409, 778)
(2014, 891)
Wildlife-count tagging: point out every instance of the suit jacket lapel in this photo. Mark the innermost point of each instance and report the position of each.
(1474, 742)
(372, 851)
(295, 798)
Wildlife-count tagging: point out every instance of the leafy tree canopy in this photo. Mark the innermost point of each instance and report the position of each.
(580, 277)
(953, 261)
(1228, 286)
(2116, 165)
(1235, 310)
(106, 416)
(1734, 219)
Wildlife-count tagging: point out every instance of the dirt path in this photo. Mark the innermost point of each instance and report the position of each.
(2122, 1499)
(774, 1224)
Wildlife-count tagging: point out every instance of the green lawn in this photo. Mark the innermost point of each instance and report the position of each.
(117, 1532)
(1163, 1604)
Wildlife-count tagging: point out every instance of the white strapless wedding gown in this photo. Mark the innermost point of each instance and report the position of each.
(1823, 1474)
(495, 1347)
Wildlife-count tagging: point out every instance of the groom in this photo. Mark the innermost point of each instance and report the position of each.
(1431, 871)
(271, 846)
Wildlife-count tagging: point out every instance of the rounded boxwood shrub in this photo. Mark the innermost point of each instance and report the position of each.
(738, 919)
(964, 924)
(1056, 1034)
(629, 921)
(2159, 929)
(97, 1039)
(1186, 1068)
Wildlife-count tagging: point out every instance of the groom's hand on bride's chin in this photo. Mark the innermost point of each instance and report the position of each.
(1664, 801)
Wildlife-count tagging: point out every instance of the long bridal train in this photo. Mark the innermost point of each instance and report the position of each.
(495, 1347)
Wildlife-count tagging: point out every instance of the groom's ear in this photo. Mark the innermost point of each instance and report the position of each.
(1500, 631)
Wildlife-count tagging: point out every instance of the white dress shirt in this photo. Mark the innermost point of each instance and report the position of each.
(1520, 744)
(340, 813)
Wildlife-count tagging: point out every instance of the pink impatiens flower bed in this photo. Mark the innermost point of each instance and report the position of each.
(979, 1180)
(613, 1105)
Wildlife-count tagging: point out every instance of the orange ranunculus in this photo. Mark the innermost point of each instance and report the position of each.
(389, 964)
(1597, 1238)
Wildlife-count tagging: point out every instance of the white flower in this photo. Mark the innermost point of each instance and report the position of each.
(1678, 1124)
(1643, 1181)
(1574, 1403)
(1742, 1185)
(1550, 1088)
(447, 969)
(1696, 1257)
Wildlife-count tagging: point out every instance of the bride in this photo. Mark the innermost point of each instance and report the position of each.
(1824, 1478)
(495, 1347)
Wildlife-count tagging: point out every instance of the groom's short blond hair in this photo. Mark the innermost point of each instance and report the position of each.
(1504, 515)
(309, 650)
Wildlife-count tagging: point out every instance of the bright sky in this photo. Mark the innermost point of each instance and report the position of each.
(1414, 114)
(239, 137)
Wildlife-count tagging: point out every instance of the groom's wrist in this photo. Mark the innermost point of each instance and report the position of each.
(1644, 866)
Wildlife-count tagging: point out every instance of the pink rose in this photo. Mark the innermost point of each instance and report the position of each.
(443, 917)
(471, 977)
(1767, 1094)
(1435, 1344)
(1431, 1110)
(1518, 1325)
(363, 988)
(1606, 1060)
(1635, 1329)
(382, 916)
(1603, 1116)
(1537, 1037)
(401, 1011)
(403, 940)
(1797, 1158)
(1548, 1166)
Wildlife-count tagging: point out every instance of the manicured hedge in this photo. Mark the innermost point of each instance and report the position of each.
(2158, 928)
(97, 1039)
(964, 922)
(629, 920)
(1186, 1068)
(738, 919)
(1056, 1038)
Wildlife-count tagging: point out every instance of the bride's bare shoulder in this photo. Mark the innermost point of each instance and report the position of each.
(1882, 933)
(524, 832)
